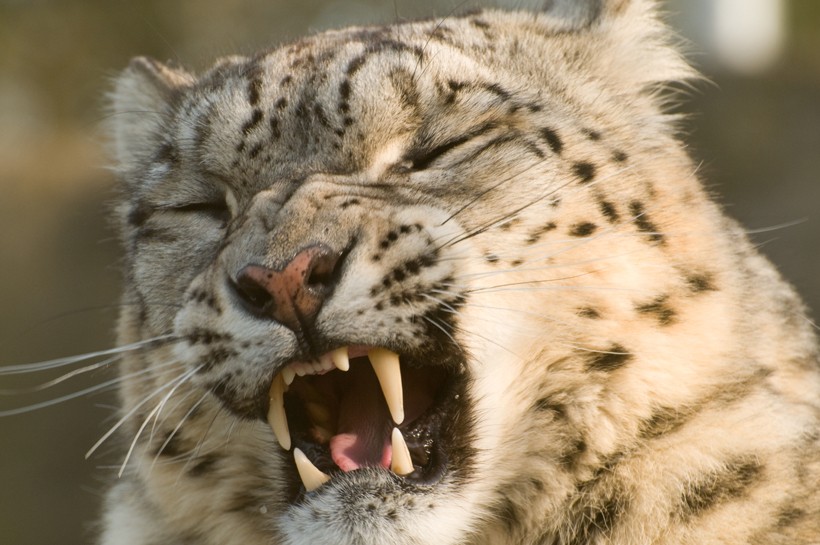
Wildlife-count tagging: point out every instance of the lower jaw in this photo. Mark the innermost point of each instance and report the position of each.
(439, 441)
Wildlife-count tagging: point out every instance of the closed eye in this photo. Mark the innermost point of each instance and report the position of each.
(421, 157)
(217, 210)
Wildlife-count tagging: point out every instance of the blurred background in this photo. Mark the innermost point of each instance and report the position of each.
(755, 127)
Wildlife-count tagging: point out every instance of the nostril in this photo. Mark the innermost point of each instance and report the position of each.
(324, 271)
(251, 290)
(293, 294)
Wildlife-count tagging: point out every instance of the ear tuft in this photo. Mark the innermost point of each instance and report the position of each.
(139, 102)
(626, 41)
(570, 15)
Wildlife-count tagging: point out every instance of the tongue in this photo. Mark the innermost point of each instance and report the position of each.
(364, 423)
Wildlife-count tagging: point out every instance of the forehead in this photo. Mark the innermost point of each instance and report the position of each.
(329, 102)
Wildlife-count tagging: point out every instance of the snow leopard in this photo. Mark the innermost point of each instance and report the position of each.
(452, 281)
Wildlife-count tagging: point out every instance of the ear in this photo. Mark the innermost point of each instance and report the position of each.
(627, 41)
(140, 102)
(570, 15)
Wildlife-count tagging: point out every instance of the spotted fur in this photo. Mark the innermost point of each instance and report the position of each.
(510, 203)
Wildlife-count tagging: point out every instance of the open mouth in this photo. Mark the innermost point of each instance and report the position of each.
(363, 407)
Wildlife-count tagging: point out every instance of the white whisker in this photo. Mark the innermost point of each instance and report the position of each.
(133, 410)
(63, 378)
(155, 411)
(179, 426)
(59, 362)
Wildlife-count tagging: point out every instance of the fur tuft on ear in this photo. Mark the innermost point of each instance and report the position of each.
(139, 103)
(625, 41)
(573, 14)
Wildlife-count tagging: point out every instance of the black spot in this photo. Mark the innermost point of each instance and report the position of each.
(255, 150)
(138, 214)
(592, 134)
(589, 312)
(699, 283)
(497, 90)
(349, 202)
(254, 88)
(508, 513)
(413, 266)
(643, 223)
(789, 515)
(204, 464)
(168, 444)
(242, 501)
(660, 309)
(167, 153)
(584, 170)
(662, 422)
(491, 258)
(286, 80)
(547, 405)
(256, 117)
(537, 234)
(717, 486)
(583, 229)
(615, 357)
(595, 519)
(480, 23)
(552, 139)
(275, 132)
(619, 156)
(399, 274)
(281, 104)
(507, 225)
(609, 211)
(570, 457)
(355, 65)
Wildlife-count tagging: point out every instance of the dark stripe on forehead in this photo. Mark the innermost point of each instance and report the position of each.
(710, 489)
(356, 64)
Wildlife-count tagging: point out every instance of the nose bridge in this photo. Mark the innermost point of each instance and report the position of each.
(285, 222)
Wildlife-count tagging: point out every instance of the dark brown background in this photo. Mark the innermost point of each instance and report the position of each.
(758, 137)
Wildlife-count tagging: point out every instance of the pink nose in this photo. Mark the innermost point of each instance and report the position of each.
(293, 295)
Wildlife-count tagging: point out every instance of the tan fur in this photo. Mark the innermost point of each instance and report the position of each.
(635, 372)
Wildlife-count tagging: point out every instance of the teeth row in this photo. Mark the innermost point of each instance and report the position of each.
(337, 359)
(312, 477)
(386, 366)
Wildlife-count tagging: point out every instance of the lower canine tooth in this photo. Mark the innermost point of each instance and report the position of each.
(401, 464)
(276, 412)
(386, 365)
(311, 477)
(340, 359)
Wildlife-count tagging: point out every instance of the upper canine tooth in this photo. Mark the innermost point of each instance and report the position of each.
(311, 476)
(277, 418)
(401, 464)
(386, 365)
(340, 359)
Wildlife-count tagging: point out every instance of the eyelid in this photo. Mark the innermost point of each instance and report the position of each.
(423, 158)
(204, 206)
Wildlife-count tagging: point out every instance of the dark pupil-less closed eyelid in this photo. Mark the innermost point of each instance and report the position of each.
(216, 209)
(423, 158)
